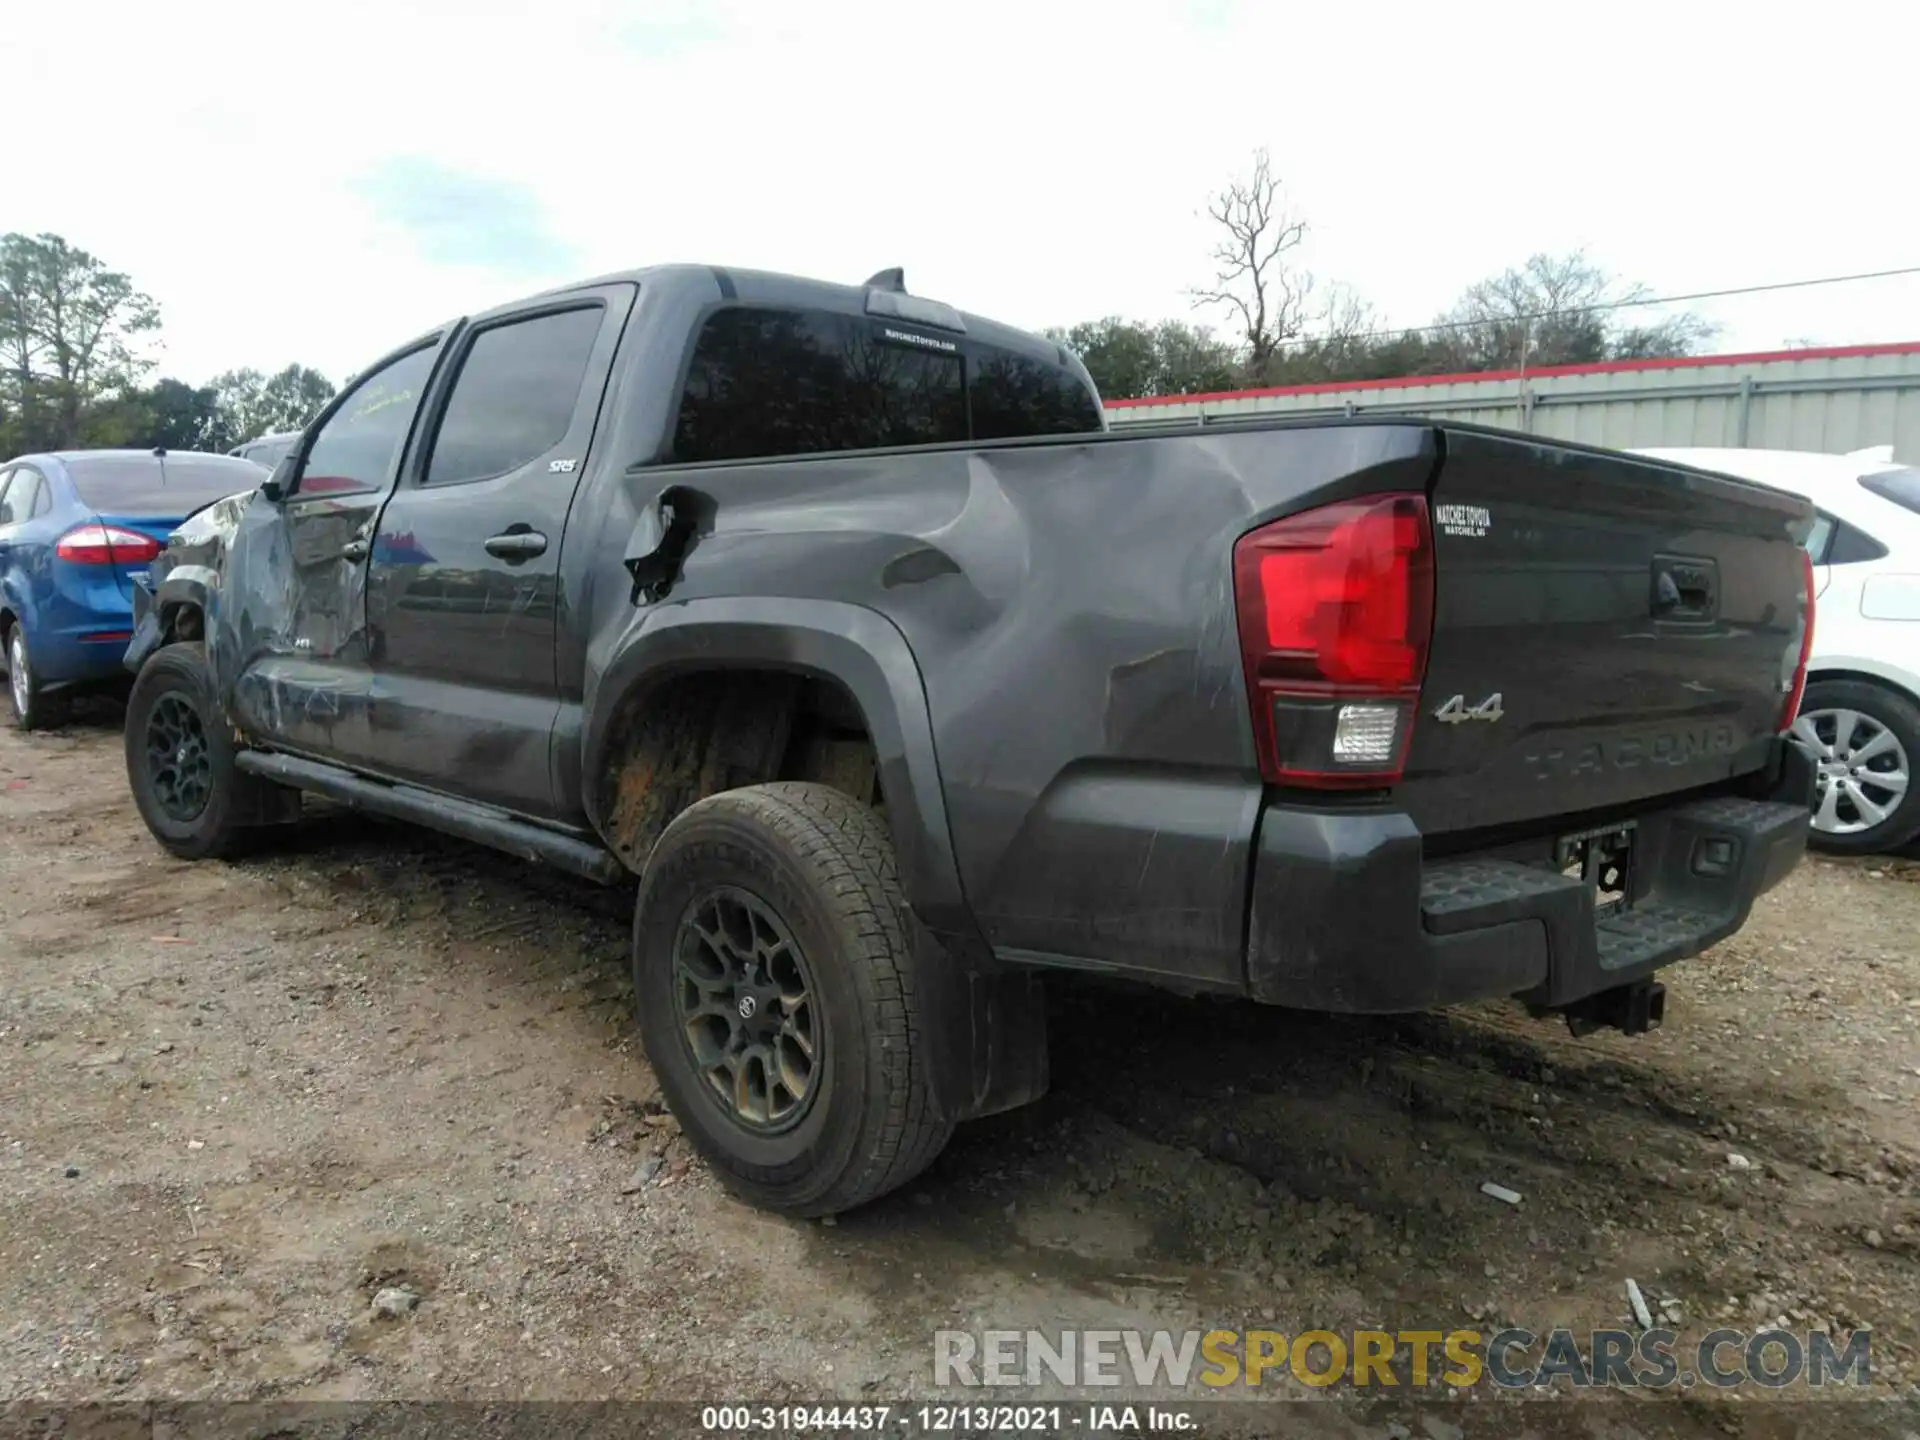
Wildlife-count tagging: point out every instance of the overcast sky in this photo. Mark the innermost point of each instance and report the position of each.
(316, 183)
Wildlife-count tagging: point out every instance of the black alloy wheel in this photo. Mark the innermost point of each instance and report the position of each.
(179, 766)
(745, 1001)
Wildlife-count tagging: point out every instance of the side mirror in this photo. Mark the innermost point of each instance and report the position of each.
(277, 486)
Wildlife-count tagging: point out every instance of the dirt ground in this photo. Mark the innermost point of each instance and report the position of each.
(237, 1100)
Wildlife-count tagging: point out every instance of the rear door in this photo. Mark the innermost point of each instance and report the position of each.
(464, 604)
(1607, 628)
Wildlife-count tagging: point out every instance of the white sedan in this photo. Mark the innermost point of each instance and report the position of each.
(1861, 716)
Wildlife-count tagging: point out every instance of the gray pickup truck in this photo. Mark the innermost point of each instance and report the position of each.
(838, 618)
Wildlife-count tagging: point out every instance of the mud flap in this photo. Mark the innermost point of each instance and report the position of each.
(985, 1031)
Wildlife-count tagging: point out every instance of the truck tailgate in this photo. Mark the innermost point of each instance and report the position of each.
(1606, 629)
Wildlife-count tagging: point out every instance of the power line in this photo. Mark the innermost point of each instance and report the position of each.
(1606, 305)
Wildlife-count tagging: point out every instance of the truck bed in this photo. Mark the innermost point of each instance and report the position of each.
(1071, 606)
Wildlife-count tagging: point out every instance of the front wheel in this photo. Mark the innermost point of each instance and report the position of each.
(1864, 740)
(774, 981)
(180, 758)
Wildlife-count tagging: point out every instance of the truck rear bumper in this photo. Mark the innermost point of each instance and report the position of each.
(1349, 915)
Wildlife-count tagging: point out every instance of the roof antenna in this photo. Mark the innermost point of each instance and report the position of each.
(894, 280)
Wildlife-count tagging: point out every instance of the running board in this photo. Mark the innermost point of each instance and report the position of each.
(479, 823)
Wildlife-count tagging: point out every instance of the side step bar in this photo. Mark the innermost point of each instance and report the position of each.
(479, 823)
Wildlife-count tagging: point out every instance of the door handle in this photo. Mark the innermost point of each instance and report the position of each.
(517, 545)
(354, 550)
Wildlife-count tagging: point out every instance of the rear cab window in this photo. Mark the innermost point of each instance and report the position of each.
(140, 486)
(768, 381)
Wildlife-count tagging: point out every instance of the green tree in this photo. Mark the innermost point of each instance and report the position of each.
(1129, 359)
(69, 331)
(252, 404)
(173, 415)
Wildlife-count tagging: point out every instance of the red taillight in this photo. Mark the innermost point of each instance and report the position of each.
(1797, 687)
(1336, 612)
(106, 545)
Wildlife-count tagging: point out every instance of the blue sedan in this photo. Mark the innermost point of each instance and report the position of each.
(76, 529)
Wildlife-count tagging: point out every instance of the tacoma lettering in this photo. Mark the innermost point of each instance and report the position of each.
(1668, 747)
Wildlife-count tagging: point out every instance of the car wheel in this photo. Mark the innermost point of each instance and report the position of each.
(774, 982)
(31, 707)
(1864, 739)
(180, 758)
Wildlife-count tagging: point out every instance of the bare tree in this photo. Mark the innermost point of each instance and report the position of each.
(1561, 310)
(1253, 279)
(1348, 325)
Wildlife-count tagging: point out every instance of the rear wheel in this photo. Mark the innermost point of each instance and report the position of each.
(180, 758)
(774, 982)
(1864, 739)
(32, 707)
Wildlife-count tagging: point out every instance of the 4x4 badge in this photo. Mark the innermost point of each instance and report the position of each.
(1456, 711)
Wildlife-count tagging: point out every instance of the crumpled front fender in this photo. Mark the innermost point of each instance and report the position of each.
(188, 572)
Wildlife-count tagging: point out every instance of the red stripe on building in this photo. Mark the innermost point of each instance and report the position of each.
(1544, 372)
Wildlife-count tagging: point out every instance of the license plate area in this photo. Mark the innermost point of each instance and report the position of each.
(1602, 860)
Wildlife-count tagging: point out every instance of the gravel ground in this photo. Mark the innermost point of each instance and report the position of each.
(363, 1117)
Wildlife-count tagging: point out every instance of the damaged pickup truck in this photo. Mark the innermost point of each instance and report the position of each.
(838, 618)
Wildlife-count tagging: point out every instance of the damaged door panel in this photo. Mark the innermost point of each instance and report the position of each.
(288, 633)
(664, 533)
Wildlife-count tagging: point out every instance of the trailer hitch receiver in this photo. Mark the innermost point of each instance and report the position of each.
(1631, 1009)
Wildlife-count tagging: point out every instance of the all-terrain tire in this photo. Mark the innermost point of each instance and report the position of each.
(821, 867)
(173, 696)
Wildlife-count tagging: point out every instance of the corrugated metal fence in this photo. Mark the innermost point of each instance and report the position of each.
(1833, 400)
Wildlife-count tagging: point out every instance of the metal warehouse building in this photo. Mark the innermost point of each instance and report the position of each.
(1835, 400)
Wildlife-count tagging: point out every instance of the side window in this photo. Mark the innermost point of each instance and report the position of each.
(42, 498)
(356, 449)
(1819, 537)
(1850, 546)
(6, 510)
(792, 382)
(515, 395)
